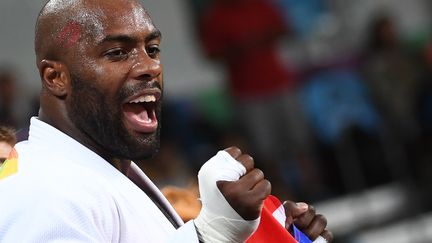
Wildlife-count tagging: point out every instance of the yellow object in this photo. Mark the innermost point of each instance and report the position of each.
(10, 166)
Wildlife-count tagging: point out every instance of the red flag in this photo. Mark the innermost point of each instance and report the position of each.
(272, 225)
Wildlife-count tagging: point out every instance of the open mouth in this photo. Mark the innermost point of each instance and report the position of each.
(140, 112)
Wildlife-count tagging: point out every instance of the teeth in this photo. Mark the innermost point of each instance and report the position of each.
(147, 121)
(144, 98)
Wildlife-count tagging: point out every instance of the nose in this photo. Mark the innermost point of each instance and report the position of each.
(146, 68)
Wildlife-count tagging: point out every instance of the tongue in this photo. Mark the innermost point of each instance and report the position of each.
(136, 112)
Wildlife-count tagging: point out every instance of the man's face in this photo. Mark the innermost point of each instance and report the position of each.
(116, 80)
(5, 149)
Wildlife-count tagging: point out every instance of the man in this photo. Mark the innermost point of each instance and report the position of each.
(101, 74)
(243, 36)
(7, 141)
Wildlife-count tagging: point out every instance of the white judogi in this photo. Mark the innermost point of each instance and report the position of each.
(64, 192)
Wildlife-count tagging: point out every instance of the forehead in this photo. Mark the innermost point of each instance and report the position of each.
(113, 17)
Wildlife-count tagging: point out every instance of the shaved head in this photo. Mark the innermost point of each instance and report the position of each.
(62, 24)
(50, 27)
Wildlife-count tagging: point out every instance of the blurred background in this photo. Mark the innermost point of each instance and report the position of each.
(333, 99)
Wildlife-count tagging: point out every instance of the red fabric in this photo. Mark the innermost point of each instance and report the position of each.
(244, 35)
(269, 229)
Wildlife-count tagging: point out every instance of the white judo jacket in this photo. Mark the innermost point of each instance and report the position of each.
(54, 189)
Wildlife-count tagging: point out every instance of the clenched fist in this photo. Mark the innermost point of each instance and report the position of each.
(307, 220)
(246, 195)
(232, 195)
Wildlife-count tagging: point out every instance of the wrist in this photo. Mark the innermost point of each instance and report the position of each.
(216, 228)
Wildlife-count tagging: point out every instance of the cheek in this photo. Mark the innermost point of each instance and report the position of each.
(98, 70)
(104, 75)
(114, 76)
(110, 80)
(109, 77)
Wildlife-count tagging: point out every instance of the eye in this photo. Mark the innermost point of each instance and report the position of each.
(116, 54)
(153, 51)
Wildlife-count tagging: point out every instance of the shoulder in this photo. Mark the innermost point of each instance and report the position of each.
(55, 201)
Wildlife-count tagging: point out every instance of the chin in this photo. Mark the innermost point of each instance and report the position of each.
(143, 148)
(137, 155)
(132, 145)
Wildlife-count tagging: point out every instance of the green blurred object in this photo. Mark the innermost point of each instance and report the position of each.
(216, 107)
(416, 40)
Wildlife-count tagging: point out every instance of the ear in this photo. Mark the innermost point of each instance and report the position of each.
(55, 77)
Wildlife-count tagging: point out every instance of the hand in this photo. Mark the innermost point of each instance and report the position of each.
(246, 196)
(305, 218)
(232, 195)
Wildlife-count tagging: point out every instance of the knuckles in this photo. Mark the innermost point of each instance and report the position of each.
(314, 225)
(246, 207)
(321, 220)
(247, 161)
(246, 203)
(267, 186)
(264, 189)
(234, 151)
(328, 235)
(312, 210)
(257, 174)
(305, 219)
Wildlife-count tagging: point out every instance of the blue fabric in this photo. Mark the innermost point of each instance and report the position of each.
(300, 236)
(336, 100)
(302, 15)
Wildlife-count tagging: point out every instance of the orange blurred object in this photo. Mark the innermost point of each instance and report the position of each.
(184, 200)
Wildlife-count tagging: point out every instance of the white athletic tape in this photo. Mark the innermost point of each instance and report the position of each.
(218, 221)
(320, 239)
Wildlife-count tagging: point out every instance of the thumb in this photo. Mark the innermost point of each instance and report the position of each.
(294, 210)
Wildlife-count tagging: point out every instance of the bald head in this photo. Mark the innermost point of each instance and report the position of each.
(63, 24)
(53, 16)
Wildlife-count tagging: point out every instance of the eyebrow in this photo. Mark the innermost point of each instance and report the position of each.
(155, 34)
(129, 39)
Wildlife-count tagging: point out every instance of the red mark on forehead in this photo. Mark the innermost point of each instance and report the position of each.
(70, 34)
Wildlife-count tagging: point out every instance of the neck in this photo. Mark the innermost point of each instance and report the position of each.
(122, 165)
